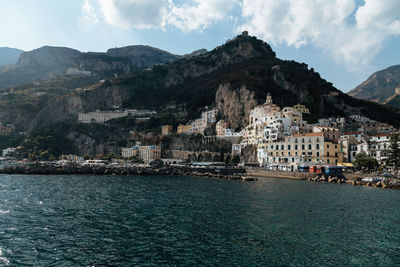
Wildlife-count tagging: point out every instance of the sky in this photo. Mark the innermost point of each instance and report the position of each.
(344, 40)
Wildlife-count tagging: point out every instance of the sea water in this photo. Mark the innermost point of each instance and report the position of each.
(181, 220)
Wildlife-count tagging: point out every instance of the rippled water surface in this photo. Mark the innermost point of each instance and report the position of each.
(111, 220)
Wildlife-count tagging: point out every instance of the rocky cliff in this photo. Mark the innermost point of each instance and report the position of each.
(48, 62)
(379, 86)
(235, 104)
(9, 56)
(143, 56)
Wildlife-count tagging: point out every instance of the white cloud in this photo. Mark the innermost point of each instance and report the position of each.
(134, 13)
(89, 11)
(199, 14)
(352, 34)
(145, 14)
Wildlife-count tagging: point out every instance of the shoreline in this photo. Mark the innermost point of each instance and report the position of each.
(229, 173)
(344, 178)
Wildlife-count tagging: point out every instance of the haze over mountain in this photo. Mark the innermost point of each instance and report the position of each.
(379, 86)
(48, 62)
(9, 55)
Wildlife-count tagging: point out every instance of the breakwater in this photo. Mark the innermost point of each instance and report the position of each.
(345, 178)
(231, 173)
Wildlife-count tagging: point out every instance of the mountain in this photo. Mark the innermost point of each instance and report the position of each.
(9, 56)
(379, 86)
(48, 62)
(41, 63)
(233, 77)
(143, 56)
(394, 100)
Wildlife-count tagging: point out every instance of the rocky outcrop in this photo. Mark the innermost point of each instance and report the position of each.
(68, 108)
(235, 105)
(234, 51)
(9, 56)
(143, 56)
(48, 56)
(47, 62)
(379, 86)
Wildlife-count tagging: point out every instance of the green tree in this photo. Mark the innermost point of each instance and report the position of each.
(221, 155)
(228, 159)
(236, 160)
(363, 160)
(394, 151)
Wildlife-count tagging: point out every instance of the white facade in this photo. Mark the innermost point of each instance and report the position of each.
(103, 116)
(146, 153)
(210, 115)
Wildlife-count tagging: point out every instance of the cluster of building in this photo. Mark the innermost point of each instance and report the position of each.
(208, 117)
(283, 137)
(104, 116)
(146, 153)
(222, 130)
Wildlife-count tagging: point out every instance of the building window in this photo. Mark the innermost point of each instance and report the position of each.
(302, 140)
(288, 147)
(302, 147)
(327, 154)
(309, 147)
(317, 146)
(336, 154)
(317, 153)
(295, 147)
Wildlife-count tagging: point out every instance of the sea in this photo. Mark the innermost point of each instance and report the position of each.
(191, 221)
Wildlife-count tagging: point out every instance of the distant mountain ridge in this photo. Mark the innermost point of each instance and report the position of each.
(47, 62)
(9, 56)
(379, 86)
(233, 77)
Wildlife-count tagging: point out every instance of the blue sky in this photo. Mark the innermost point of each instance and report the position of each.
(344, 40)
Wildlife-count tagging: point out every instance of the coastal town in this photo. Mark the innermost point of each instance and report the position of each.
(280, 139)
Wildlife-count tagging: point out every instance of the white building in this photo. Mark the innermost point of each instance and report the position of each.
(146, 153)
(8, 151)
(103, 116)
(210, 115)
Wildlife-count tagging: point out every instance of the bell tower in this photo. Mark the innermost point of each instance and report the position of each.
(268, 101)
